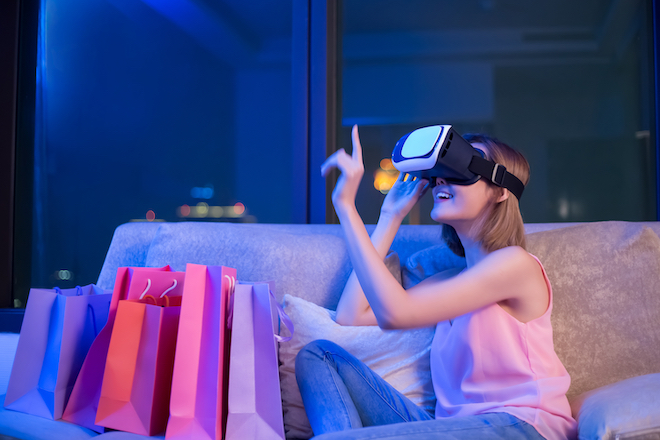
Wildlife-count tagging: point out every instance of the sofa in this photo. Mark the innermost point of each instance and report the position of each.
(606, 317)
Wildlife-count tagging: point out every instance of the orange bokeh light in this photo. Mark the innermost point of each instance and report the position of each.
(385, 176)
(387, 165)
(239, 208)
(151, 216)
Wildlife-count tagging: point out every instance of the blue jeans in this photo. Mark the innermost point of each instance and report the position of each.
(341, 393)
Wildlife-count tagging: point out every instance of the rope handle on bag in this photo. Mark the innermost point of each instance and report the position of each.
(162, 295)
(79, 290)
(91, 309)
(283, 318)
(148, 297)
(280, 311)
(230, 312)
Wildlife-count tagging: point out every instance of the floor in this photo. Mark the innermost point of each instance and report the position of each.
(8, 343)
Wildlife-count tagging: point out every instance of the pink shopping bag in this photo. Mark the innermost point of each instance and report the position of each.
(255, 401)
(198, 403)
(58, 329)
(135, 395)
(130, 283)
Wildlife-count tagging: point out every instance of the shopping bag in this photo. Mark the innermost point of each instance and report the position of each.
(255, 401)
(58, 328)
(135, 394)
(198, 404)
(131, 282)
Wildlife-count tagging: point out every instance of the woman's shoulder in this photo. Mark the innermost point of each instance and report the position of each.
(514, 257)
(515, 264)
(530, 293)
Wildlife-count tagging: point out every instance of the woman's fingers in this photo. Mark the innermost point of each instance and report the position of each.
(340, 159)
(332, 162)
(422, 186)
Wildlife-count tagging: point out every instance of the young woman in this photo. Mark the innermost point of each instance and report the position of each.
(493, 365)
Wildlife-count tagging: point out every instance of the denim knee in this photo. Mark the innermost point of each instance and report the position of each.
(314, 351)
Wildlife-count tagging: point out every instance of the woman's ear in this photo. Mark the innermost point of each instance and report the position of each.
(504, 194)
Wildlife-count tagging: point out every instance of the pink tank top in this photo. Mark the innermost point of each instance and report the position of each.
(488, 361)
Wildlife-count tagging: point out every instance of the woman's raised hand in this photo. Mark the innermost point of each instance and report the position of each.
(352, 170)
(403, 195)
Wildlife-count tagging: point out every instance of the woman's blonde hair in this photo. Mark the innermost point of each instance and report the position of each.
(501, 224)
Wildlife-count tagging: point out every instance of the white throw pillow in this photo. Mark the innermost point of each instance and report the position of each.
(401, 357)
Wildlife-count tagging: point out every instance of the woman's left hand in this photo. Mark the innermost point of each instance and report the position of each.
(403, 195)
(352, 170)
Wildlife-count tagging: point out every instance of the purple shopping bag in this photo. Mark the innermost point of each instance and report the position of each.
(255, 401)
(131, 283)
(58, 329)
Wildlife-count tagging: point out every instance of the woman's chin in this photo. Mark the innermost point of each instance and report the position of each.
(437, 216)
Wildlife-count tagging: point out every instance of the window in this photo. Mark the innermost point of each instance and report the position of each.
(182, 111)
(568, 83)
(155, 111)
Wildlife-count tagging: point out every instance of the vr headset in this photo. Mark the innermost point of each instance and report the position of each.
(439, 151)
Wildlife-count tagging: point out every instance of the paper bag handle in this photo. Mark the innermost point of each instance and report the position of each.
(283, 318)
(280, 311)
(230, 312)
(79, 290)
(91, 309)
(148, 297)
(162, 295)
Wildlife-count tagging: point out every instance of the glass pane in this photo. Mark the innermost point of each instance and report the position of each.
(156, 110)
(568, 83)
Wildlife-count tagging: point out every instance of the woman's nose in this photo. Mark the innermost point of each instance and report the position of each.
(440, 181)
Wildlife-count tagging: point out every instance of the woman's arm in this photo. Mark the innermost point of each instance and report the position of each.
(508, 275)
(353, 307)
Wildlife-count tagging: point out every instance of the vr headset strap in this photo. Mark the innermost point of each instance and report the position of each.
(497, 174)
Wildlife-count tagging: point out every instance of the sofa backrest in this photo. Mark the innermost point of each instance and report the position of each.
(308, 261)
(606, 282)
(131, 242)
(605, 277)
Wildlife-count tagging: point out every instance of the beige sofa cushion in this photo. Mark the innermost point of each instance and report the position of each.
(606, 317)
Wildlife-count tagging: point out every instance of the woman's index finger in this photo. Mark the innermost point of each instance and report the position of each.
(357, 147)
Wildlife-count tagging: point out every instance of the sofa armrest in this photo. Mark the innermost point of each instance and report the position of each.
(626, 409)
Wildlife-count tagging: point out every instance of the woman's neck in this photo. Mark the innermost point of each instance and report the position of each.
(474, 250)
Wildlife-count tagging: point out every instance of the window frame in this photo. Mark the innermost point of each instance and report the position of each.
(19, 22)
(316, 89)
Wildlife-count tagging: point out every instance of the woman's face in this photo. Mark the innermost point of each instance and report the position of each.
(459, 205)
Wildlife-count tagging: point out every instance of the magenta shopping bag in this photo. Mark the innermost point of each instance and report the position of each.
(198, 402)
(135, 395)
(255, 401)
(58, 329)
(131, 283)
